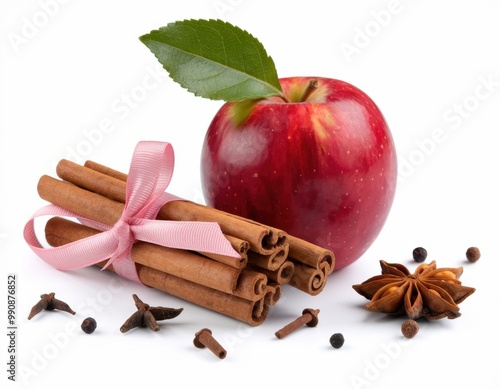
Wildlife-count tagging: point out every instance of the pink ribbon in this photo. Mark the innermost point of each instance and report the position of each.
(149, 175)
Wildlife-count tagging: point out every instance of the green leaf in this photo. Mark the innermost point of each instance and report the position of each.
(215, 60)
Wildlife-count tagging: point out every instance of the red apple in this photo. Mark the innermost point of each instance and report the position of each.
(321, 165)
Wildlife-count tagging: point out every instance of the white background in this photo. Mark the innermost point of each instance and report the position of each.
(67, 66)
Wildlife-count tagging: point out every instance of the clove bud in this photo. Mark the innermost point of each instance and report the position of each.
(48, 302)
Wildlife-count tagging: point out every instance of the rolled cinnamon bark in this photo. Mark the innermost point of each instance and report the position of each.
(251, 285)
(311, 255)
(240, 245)
(111, 183)
(280, 276)
(271, 261)
(274, 293)
(187, 265)
(251, 312)
(60, 231)
(80, 201)
(180, 263)
(308, 279)
(238, 263)
(97, 167)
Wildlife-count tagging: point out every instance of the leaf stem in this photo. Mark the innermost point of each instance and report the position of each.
(311, 87)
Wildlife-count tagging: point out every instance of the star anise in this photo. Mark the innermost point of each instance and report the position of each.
(430, 292)
(147, 316)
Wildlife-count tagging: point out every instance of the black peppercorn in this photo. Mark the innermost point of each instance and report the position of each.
(419, 254)
(89, 325)
(337, 340)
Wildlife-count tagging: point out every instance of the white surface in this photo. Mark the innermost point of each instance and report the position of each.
(426, 62)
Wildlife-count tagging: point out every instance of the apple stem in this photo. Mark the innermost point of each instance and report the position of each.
(311, 87)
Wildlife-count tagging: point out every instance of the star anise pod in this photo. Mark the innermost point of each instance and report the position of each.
(147, 316)
(430, 292)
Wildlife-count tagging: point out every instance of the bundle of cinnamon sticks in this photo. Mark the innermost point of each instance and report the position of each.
(243, 288)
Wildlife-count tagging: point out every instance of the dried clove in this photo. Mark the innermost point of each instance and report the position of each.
(203, 338)
(309, 317)
(48, 302)
(147, 316)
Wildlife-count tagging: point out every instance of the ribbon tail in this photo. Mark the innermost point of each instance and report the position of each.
(74, 255)
(82, 253)
(126, 268)
(196, 236)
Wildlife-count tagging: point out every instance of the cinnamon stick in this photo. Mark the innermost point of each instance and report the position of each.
(251, 312)
(274, 292)
(80, 201)
(251, 285)
(280, 276)
(97, 167)
(238, 263)
(311, 255)
(313, 265)
(271, 261)
(308, 279)
(240, 245)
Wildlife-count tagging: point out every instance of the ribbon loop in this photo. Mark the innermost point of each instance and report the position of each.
(149, 175)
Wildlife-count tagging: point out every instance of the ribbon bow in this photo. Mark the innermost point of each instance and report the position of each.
(149, 175)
